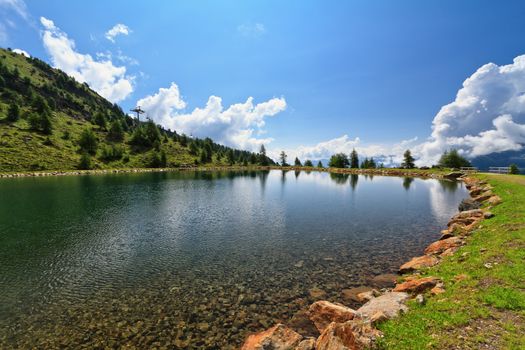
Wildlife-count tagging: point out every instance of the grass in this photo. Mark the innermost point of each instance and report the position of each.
(484, 305)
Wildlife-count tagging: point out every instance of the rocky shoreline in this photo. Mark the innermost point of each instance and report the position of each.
(372, 172)
(343, 328)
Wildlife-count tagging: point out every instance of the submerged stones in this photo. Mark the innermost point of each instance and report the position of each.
(279, 337)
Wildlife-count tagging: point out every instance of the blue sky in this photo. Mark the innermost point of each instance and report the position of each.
(375, 70)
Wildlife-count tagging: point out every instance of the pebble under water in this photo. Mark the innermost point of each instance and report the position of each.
(198, 260)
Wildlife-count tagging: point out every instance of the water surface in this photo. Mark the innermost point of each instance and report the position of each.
(197, 259)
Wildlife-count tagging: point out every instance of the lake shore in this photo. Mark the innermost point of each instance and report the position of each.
(464, 292)
(427, 173)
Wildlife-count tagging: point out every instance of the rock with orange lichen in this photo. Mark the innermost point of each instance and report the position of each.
(279, 337)
(439, 247)
(323, 312)
(419, 263)
(417, 286)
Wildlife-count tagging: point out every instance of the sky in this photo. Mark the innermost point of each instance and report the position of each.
(308, 77)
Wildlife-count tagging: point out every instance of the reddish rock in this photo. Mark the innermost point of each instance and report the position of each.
(417, 285)
(316, 293)
(367, 296)
(463, 221)
(323, 312)
(418, 263)
(278, 337)
(440, 246)
(449, 252)
(337, 336)
(483, 197)
(437, 290)
(473, 213)
(306, 344)
(494, 200)
(350, 294)
(460, 277)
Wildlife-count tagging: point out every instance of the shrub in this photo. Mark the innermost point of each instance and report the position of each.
(88, 142)
(85, 162)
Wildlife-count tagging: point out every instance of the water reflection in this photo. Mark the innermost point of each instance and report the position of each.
(407, 181)
(212, 255)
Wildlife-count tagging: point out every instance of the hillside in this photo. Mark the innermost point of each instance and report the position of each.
(49, 121)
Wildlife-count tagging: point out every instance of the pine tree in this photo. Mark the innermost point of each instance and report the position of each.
(308, 163)
(85, 162)
(408, 160)
(263, 159)
(513, 169)
(320, 164)
(452, 159)
(88, 142)
(354, 159)
(116, 132)
(339, 160)
(13, 114)
(282, 158)
(297, 162)
(100, 120)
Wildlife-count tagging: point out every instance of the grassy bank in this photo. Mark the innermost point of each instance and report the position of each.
(484, 303)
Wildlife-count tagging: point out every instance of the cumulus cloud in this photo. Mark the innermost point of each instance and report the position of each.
(118, 29)
(21, 52)
(237, 125)
(102, 75)
(487, 116)
(390, 154)
(251, 30)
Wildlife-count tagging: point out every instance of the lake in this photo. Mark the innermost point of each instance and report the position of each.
(198, 259)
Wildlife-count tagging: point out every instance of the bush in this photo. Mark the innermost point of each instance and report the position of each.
(13, 114)
(513, 169)
(88, 142)
(110, 153)
(452, 159)
(116, 131)
(339, 160)
(85, 162)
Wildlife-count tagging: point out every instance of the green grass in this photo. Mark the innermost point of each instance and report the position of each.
(487, 309)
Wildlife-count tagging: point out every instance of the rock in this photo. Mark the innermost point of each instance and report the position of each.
(418, 263)
(306, 344)
(449, 252)
(316, 293)
(453, 175)
(418, 285)
(299, 264)
(437, 290)
(378, 317)
(483, 197)
(384, 281)
(468, 204)
(462, 221)
(446, 234)
(367, 296)
(473, 213)
(494, 200)
(322, 313)
(460, 277)
(420, 299)
(351, 335)
(350, 294)
(337, 336)
(440, 246)
(278, 337)
(390, 304)
(488, 215)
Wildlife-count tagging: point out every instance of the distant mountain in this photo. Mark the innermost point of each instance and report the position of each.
(501, 159)
(49, 121)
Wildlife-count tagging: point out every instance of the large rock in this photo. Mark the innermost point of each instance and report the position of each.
(323, 312)
(355, 334)
(278, 337)
(453, 175)
(439, 247)
(473, 213)
(337, 336)
(494, 200)
(390, 304)
(468, 204)
(419, 263)
(418, 285)
(306, 344)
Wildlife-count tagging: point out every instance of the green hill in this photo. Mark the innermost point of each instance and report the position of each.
(49, 121)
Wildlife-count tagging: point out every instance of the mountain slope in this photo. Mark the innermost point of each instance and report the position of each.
(49, 121)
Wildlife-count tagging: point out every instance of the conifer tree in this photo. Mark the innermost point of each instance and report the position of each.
(13, 114)
(308, 163)
(282, 158)
(320, 164)
(297, 162)
(354, 159)
(408, 160)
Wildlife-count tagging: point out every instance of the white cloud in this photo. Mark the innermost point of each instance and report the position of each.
(118, 29)
(487, 115)
(251, 30)
(102, 75)
(237, 126)
(17, 6)
(21, 52)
